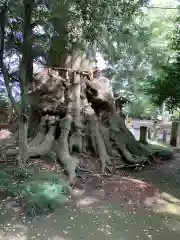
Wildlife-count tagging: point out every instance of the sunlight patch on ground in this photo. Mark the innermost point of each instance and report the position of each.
(78, 192)
(168, 208)
(5, 134)
(160, 144)
(163, 203)
(86, 201)
(170, 198)
(163, 206)
(14, 232)
(140, 184)
(159, 202)
(155, 142)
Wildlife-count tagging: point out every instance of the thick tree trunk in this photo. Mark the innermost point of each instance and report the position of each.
(83, 121)
(76, 138)
(90, 125)
(23, 155)
(25, 78)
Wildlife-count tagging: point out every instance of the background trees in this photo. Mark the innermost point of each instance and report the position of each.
(136, 58)
(165, 87)
(162, 83)
(133, 41)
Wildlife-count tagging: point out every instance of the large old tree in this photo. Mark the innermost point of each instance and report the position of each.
(71, 109)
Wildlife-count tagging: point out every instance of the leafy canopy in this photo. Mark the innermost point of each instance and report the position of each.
(165, 87)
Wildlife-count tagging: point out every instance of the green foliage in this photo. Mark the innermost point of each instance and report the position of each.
(142, 108)
(22, 173)
(39, 196)
(6, 181)
(68, 26)
(165, 87)
(159, 151)
(38, 193)
(42, 193)
(133, 40)
(137, 57)
(48, 176)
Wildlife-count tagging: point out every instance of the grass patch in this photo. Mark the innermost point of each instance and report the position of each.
(159, 151)
(6, 181)
(39, 196)
(22, 173)
(38, 193)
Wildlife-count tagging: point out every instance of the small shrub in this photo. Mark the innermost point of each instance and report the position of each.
(22, 173)
(43, 194)
(159, 151)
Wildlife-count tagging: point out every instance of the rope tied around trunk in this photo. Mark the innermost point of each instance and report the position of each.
(86, 73)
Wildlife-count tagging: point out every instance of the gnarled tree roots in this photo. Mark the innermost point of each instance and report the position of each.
(73, 121)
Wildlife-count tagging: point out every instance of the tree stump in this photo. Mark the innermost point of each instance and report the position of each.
(149, 133)
(164, 137)
(143, 134)
(174, 134)
(155, 131)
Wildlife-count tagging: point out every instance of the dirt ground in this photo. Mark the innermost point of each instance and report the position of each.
(137, 205)
(128, 206)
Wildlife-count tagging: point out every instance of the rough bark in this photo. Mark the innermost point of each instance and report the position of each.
(76, 138)
(81, 121)
(97, 141)
(23, 155)
(63, 155)
(45, 146)
(25, 74)
(33, 123)
(6, 76)
(25, 78)
(38, 139)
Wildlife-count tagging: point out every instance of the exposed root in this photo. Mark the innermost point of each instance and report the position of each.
(75, 142)
(107, 141)
(125, 141)
(96, 139)
(85, 122)
(45, 146)
(76, 138)
(137, 165)
(39, 137)
(63, 156)
(78, 168)
(124, 151)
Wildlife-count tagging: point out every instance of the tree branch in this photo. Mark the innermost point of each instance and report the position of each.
(5, 73)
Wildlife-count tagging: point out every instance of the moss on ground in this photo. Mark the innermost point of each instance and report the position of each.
(38, 193)
(160, 151)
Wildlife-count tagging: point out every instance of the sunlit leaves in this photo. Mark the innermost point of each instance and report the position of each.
(165, 87)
